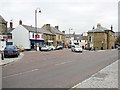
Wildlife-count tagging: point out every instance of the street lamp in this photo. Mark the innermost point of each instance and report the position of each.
(69, 31)
(37, 10)
(69, 35)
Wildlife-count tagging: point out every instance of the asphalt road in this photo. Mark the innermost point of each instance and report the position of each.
(55, 69)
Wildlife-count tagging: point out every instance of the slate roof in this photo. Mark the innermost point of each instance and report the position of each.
(76, 36)
(67, 35)
(98, 29)
(54, 31)
(2, 20)
(32, 29)
(9, 30)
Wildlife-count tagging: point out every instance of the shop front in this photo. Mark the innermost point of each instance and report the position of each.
(36, 43)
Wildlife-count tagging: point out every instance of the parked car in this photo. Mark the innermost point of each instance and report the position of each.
(76, 48)
(11, 50)
(59, 47)
(119, 47)
(45, 48)
(69, 45)
(52, 47)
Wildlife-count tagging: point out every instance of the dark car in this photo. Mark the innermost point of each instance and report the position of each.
(11, 50)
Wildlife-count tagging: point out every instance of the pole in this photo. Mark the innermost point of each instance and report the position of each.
(93, 40)
(37, 46)
(36, 29)
(2, 55)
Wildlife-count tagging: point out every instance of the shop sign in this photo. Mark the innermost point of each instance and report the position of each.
(3, 37)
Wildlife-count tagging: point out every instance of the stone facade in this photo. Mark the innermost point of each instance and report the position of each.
(59, 37)
(101, 38)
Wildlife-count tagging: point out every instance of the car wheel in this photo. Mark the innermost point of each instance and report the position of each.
(5, 56)
(17, 55)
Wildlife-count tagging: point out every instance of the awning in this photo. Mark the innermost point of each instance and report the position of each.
(50, 41)
(37, 39)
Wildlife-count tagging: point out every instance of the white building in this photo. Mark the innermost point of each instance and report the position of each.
(3, 42)
(76, 39)
(26, 36)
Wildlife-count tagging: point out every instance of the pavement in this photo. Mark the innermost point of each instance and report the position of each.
(10, 60)
(105, 78)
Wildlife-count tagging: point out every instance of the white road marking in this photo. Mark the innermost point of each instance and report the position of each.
(63, 63)
(21, 73)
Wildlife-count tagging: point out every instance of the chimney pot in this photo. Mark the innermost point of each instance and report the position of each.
(47, 27)
(98, 25)
(111, 27)
(93, 27)
(57, 27)
(11, 24)
(63, 32)
(20, 22)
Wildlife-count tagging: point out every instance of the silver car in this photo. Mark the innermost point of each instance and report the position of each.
(76, 48)
(45, 48)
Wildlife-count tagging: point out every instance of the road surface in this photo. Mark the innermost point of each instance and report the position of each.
(55, 69)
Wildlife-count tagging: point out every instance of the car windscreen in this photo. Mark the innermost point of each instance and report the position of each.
(10, 47)
(77, 46)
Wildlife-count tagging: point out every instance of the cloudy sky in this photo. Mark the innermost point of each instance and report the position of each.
(80, 15)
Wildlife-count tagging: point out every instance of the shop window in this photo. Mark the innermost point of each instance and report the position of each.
(90, 39)
(33, 35)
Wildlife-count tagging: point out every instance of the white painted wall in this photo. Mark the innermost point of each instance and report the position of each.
(21, 37)
(2, 45)
(82, 43)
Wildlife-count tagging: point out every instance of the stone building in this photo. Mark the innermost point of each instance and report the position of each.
(101, 38)
(58, 36)
(3, 33)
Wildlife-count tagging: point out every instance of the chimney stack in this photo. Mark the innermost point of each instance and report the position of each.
(57, 27)
(11, 24)
(98, 25)
(63, 32)
(48, 27)
(93, 27)
(111, 27)
(20, 22)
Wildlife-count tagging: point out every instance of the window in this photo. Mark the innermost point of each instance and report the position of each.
(59, 37)
(33, 35)
(9, 36)
(9, 43)
(53, 38)
(90, 39)
(47, 37)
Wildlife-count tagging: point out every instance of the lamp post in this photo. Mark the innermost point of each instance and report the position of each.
(69, 32)
(69, 35)
(37, 10)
